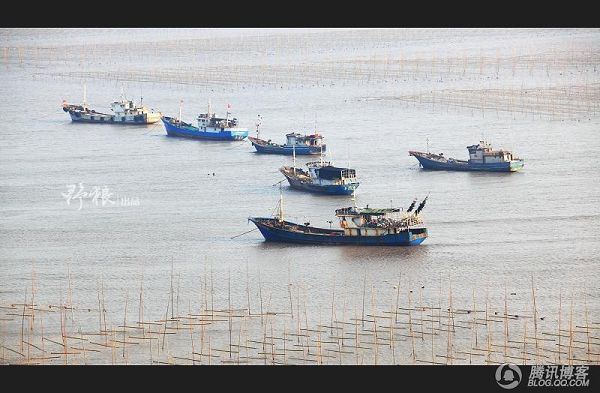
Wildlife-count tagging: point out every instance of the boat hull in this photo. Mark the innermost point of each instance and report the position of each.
(102, 118)
(509, 166)
(263, 148)
(330, 189)
(272, 233)
(196, 133)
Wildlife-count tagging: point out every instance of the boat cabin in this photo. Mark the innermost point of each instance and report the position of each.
(126, 107)
(294, 138)
(122, 107)
(211, 121)
(374, 221)
(327, 171)
(484, 154)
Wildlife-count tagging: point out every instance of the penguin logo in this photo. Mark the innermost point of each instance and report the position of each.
(508, 376)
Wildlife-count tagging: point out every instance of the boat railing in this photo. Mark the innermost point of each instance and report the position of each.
(348, 173)
(346, 211)
(388, 222)
(318, 163)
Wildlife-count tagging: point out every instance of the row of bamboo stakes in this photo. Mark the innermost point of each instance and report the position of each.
(486, 82)
(404, 328)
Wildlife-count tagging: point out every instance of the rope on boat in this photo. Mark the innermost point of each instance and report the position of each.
(243, 233)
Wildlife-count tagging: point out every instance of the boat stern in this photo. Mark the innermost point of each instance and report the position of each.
(417, 236)
(516, 165)
(238, 135)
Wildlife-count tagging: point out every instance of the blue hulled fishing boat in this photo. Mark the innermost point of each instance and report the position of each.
(481, 158)
(302, 144)
(209, 127)
(360, 226)
(321, 177)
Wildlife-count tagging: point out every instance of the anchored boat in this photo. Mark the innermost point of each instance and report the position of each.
(209, 127)
(124, 112)
(321, 177)
(481, 158)
(295, 144)
(360, 226)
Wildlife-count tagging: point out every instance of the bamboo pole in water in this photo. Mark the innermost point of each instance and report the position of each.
(587, 327)
(559, 321)
(397, 299)
(332, 305)
(229, 307)
(535, 322)
(570, 359)
(125, 324)
(248, 287)
(192, 334)
(141, 307)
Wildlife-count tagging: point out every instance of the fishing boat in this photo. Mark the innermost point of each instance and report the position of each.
(481, 158)
(209, 127)
(360, 226)
(124, 112)
(321, 177)
(295, 144)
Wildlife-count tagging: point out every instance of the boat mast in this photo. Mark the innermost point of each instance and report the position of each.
(257, 126)
(84, 96)
(227, 116)
(321, 157)
(280, 204)
(294, 154)
(180, 105)
(427, 145)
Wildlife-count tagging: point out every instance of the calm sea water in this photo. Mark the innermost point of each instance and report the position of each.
(486, 231)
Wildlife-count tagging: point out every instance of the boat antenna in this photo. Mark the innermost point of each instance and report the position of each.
(208, 114)
(280, 204)
(428, 145)
(227, 115)
(294, 154)
(180, 105)
(257, 127)
(141, 96)
(321, 156)
(84, 96)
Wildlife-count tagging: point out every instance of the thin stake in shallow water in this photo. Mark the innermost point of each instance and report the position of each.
(559, 321)
(171, 291)
(290, 291)
(229, 307)
(332, 305)
(125, 324)
(535, 322)
(141, 307)
(363, 300)
(397, 298)
(248, 287)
